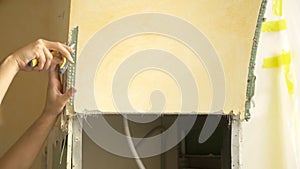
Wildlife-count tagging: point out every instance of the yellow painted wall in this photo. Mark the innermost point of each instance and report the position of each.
(23, 22)
(229, 26)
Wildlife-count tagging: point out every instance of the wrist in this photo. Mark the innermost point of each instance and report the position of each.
(13, 63)
(49, 115)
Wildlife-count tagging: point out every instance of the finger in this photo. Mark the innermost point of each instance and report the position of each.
(63, 49)
(54, 77)
(68, 94)
(41, 61)
(49, 59)
(68, 48)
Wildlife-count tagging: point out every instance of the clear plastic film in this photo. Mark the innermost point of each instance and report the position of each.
(276, 96)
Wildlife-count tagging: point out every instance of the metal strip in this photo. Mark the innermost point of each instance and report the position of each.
(77, 144)
(251, 76)
(72, 67)
(70, 144)
(73, 128)
(236, 142)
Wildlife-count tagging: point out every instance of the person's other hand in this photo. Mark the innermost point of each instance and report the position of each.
(40, 50)
(56, 100)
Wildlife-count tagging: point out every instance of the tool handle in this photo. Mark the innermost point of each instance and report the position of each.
(34, 62)
(63, 67)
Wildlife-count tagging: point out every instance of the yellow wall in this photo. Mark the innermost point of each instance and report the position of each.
(229, 26)
(23, 22)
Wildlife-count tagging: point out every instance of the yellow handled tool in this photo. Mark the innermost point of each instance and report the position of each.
(63, 67)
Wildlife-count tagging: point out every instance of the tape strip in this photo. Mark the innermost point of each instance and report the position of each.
(289, 79)
(274, 26)
(277, 7)
(283, 59)
(278, 60)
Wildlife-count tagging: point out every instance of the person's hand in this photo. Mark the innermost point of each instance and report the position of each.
(56, 100)
(40, 50)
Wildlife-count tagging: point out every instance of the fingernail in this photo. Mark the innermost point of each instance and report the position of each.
(72, 60)
(74, 90)
(72, 47)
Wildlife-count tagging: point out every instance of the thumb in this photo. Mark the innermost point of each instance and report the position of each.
(68, 94)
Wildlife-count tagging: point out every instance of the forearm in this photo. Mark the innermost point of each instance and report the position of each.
(8, 69)
(23, 153)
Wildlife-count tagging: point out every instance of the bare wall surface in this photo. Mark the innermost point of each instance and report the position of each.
(228, 25)
(23, 22)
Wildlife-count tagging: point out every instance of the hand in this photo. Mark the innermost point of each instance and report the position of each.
(56, 100)
(40, 50)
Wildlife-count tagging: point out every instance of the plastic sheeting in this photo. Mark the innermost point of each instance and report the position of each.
(271, 138)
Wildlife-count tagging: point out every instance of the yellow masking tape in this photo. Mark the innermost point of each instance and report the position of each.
(277, 61)
(274, 26)
(289, 79)
(283, 59)
(277, 7)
